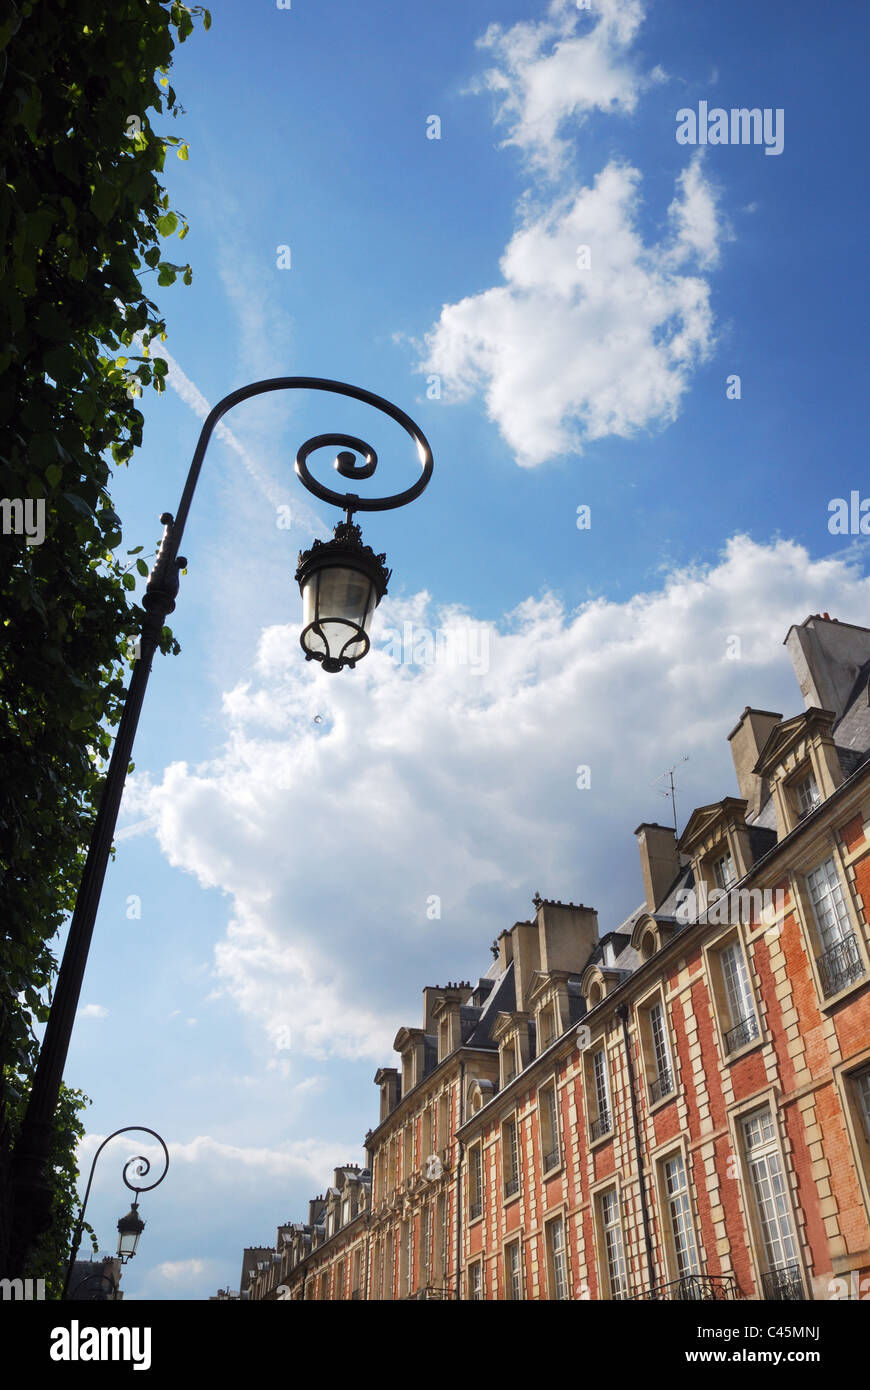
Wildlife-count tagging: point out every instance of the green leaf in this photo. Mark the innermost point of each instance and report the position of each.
(53, 474)
(129, 581)
(142, 568)
(183, 152)
(152, 256)
(166, 274)
(167, 223)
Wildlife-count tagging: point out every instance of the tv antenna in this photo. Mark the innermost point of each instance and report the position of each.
(670, 790)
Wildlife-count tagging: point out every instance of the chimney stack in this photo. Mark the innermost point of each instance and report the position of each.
(827, 656)
(747, 739)
(659, 861)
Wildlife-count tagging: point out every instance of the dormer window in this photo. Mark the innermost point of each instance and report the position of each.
(807, 795)
(509, 1062)
(723, 871)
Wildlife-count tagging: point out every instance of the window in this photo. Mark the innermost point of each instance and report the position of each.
(475, 1282)
(548, 1119)
(663, 1082)
(427, 1134)
(862, 1088)
(443, 1119)
(510, 1158)
(676, 1194)
(356, 1273)
(405, 1265)
(440, 1241)
(339, 1280)
(601, 1125)
(407, 1151)
(425, 1244)
(807, 795)
(513, 1272)
(771, 1205)
(346, 1210)
(614, 1250)
(839, 963)
(475, 1183)
(742, 1022)
(324, 1287)
(546, 1026)
(556, 1263)
(723, 871)
(509, 1062)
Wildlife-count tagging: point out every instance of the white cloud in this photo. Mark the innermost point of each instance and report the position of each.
(547, 73)
(307, 1159)
(431, 782)
(566, 353)
(92, 1011)
(179, 1271)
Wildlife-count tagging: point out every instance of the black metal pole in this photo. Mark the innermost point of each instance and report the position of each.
(31, 1193)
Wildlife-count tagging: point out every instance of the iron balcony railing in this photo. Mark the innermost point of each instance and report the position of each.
(511, 1185)
(840, 966)
(692, 1288)
(551, 1160)
(601, 1126)
(741, 1034)
(475, 1209)
(783, 1285)
(662, 1086)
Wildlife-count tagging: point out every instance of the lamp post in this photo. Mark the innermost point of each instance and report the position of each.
(342, 581)
(131, 1226)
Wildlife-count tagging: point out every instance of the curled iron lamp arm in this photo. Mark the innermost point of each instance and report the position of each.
(142, 1172)
(31, 1195)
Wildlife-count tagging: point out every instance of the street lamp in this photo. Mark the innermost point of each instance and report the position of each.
(342, 581)
(131, 1226)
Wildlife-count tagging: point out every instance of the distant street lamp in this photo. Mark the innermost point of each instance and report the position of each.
(342, 581)
(131, 1226)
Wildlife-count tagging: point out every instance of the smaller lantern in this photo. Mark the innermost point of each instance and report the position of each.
(130, 1228)
(342, 582)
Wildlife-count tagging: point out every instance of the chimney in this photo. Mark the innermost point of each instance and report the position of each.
(527, 959)
(747, 739)
(568, 934)
(827, 656)
(659, 860)
(315, 1210)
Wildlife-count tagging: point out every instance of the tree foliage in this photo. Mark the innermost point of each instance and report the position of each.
(83, 215)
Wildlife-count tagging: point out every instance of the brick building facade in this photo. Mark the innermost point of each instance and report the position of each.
(679, 1108)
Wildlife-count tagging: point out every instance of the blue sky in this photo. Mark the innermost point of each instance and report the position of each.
(283, 866)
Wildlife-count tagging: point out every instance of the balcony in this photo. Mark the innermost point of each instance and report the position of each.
(511, 1186)
(551, 1160)
(475, 1209)
(692, 1288)
(741, 1034)
(783, 1285)
(601, 1126)
(840, 966)
(661, 1087)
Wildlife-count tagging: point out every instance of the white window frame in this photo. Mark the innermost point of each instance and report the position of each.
(612, 1243)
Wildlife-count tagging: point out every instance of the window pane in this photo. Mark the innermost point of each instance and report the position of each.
(613, 1245)
(769, 1190)
(680, 1213)
(736, 980)
(828, 903)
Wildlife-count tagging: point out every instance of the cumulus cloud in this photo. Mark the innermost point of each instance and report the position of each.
(594, 331)
(179, 1271)
(385, 847)
(92, 1011)
(566, 66)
